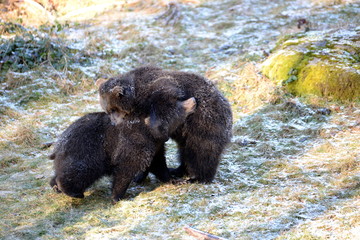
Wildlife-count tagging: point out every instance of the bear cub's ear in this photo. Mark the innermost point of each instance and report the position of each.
(189, 105)
(117, 91)
(99, 82)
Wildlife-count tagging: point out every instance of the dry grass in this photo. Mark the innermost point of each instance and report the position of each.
(339, 168)
(339, 155)
(15, 79)
(22, 133)
(73, 83)
(36, 13)
(246, 88)
(39, 12)
(332, 2)
(7, 112)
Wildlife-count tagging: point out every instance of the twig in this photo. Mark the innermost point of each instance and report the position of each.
(200, 235)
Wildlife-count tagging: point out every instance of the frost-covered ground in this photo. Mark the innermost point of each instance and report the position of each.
(291, 172)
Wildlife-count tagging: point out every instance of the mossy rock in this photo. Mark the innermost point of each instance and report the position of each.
(325, 64)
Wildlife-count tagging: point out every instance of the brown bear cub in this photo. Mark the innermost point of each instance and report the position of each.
(93, 147)
(201, 139)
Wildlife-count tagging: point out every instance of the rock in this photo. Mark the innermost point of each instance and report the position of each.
(322, 63)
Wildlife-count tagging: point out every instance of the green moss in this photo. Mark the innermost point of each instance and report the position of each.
(327, 80)
(279, 66)
(324, 64)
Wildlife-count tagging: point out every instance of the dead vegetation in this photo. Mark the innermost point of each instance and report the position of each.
(332, 2)
(245, 87)
(39, 12)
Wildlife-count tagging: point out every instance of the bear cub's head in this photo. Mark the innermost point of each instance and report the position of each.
(117, 97)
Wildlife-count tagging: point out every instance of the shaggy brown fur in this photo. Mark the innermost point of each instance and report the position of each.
(203, 136)
(92, 147)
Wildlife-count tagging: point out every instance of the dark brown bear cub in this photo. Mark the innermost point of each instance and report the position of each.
(92, 147)
(203, 136)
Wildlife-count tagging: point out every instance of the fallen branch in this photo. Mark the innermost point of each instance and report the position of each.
(201, 235)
